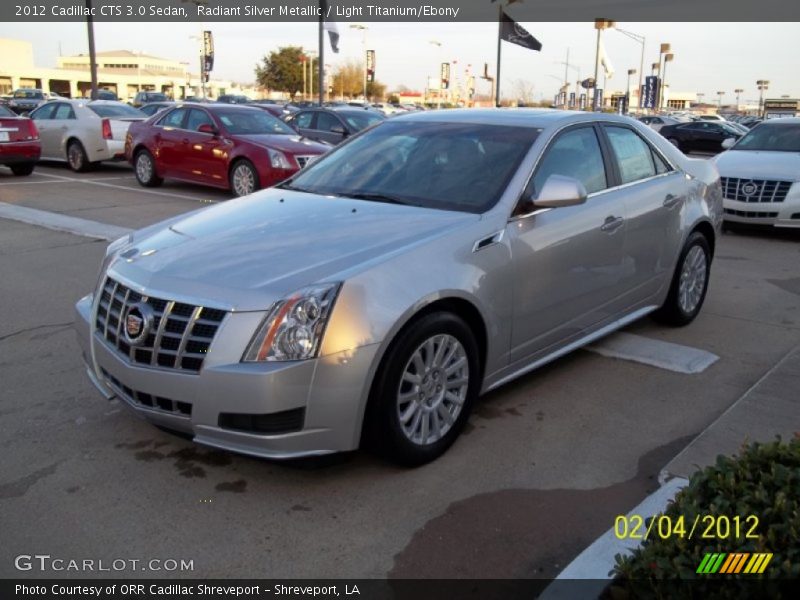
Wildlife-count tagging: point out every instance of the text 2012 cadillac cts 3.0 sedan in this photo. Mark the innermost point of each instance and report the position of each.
(374, 295)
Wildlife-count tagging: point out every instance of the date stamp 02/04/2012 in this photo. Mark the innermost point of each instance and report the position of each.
(706, 527)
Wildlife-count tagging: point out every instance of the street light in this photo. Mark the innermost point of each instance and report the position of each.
(663, 51)
(763, 84)
(599, 25)
(438, 68)
(738, 92)
(363, 28)
(628, 91)
(720, 94)
(641, 40)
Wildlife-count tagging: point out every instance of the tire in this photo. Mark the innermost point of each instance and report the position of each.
(77, 159)
(687, 291)
(23, 169)
(244, 178)
(412, 420)
(144, 167)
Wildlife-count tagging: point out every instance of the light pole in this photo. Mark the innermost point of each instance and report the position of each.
(363, 29)
(720, 94)
(738, 92)
(640, 39)
(628, 91)
(763, 84)
(438, 68)
(599, 25)
(663, 51)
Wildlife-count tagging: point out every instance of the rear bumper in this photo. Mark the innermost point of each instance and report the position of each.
(330, 392)
(13, 153)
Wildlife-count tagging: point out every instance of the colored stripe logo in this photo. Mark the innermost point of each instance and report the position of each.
(735, 562)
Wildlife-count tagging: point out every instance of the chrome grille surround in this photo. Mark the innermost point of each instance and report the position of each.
(181, 333)
(764, 190)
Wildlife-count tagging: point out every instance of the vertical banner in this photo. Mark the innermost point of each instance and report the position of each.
(583, 102)
(572, 100)
(370, 65)
(650, 92)
(208, 52)
(445, 76)
(597, 100)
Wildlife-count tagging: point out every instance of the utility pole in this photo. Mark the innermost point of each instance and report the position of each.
(92, 53)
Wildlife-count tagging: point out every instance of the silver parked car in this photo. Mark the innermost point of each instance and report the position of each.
(84, 132)
(374, 295)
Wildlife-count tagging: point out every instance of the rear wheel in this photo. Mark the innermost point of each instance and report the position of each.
(244, 179)
(689, 283)
(424, 390)
(22, 170)
(76, 157)
(145, 169)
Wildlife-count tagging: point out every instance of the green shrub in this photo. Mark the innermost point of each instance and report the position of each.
(764, 480)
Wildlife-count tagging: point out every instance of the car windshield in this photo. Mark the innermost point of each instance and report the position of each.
(253, 121)
(359, 121)
(116, 110)
(450, 166)
(29, 94)
(154, 97)
(775, 137)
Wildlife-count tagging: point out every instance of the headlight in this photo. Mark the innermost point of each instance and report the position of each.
(278, 159)
(294, 327)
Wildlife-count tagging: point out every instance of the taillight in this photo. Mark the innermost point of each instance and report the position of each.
(32, 131)
(107, 135)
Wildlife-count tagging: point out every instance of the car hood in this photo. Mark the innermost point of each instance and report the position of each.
(247, 253)
(759, 164)
(289, 143)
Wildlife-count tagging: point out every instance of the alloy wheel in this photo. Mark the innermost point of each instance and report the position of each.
(693, 279)
(243, 180)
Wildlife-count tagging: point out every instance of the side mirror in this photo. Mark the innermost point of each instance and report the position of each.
(208, 128)
(560, 191)
(339, 129)
(728, 143)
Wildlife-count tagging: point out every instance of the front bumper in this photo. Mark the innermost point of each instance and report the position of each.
(777, 214)
(332, 390)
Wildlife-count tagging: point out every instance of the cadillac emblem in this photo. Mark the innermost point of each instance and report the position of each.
(138, 323)
(749, 188)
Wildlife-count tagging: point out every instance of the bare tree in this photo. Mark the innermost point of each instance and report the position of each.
(524, 92)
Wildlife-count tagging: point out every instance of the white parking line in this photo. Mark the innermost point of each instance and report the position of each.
(60, 222)
(656, 353)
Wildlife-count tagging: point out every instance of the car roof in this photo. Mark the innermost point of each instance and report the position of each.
(537, 118)
(783, 120)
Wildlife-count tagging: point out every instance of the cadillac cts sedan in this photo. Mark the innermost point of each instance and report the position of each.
(234, 147)
(761, 175)
(374, 295)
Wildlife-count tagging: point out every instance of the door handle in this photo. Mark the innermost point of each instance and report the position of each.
(671, 200)
(185, 140)
(611, 224)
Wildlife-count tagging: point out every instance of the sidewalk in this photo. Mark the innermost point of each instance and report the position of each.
(769, 408)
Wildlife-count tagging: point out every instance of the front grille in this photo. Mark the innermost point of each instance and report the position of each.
(751, 214)
(154, 402)
(304, 160)
(286, 421)
(760, 190)
(179, 338)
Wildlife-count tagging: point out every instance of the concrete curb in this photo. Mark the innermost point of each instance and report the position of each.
(59, 222)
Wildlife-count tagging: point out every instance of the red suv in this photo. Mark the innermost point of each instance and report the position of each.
(233, 147)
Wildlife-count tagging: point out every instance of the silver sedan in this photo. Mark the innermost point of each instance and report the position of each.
(371, 298)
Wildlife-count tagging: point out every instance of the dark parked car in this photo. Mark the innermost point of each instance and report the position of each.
(143, 98)
(154, 107)
(333, 126)
(699, 136)
(276, 110)
(234, 99)
(26, 99)
(106, 95)
(20, 146)
(240, 148)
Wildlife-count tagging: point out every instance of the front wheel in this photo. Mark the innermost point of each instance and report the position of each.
(689, 283)
(424, 390)
(244, 179)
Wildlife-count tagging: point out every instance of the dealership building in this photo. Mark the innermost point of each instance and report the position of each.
(120, 71)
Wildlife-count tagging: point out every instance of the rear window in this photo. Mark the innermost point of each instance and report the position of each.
(359, 121)
(29, 94)
(116, 110)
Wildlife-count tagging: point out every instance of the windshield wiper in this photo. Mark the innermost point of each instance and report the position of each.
(377, 197)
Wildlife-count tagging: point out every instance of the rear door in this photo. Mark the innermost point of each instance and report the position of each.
(48, 132)
(654, 193)
(62, 125)
(168, 143)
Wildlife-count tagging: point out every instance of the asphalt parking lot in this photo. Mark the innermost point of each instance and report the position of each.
(547, 462)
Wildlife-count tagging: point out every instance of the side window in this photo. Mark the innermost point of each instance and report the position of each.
(43, 112)
(303, 120)
(325, 122)
(575, 153)
(661, 166)
(174, 118)
(198, 117)
(63, 111)
(634, 157)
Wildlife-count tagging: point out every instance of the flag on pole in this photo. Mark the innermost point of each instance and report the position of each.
(333, 35)
(605, 61)
(513, 32)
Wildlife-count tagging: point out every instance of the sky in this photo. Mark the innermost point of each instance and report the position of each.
(709, 57)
